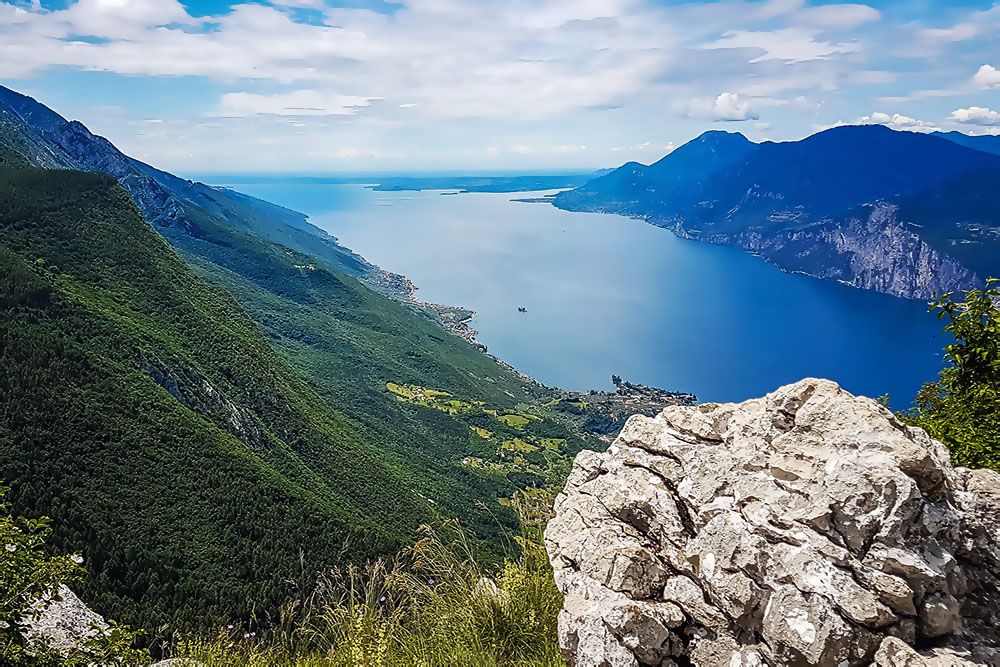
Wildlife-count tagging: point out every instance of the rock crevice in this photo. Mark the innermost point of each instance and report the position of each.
(806, 527)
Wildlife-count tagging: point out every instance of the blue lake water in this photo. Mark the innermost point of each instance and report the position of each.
(609, 295)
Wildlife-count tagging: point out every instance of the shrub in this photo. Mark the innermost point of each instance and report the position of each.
(962, 408)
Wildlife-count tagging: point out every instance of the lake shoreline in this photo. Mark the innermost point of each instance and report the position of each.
(709, 319)
(455, 320)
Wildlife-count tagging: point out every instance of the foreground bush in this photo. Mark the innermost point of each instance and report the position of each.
(436, 605)
(962, 408)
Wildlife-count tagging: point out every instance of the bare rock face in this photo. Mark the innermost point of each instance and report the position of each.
(64, 622)
(808, 527)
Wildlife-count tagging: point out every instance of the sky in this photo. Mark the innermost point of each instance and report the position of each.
(409, 85)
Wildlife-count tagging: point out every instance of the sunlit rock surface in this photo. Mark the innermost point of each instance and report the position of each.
(808, 527)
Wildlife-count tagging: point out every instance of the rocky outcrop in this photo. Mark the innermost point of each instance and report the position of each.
(806, 527)
(192, 390)
(63, 622)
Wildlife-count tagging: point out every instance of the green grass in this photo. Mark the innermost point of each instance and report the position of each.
(536, 443)
(518, 421)
(518, 445)
(435, 606)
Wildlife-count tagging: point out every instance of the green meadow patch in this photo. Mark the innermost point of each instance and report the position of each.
(536, 443)
(518, 445)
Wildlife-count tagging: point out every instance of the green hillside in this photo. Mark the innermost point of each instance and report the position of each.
(200, 390)
(200, 475)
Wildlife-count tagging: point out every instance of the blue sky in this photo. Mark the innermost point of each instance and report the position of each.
(354, 85)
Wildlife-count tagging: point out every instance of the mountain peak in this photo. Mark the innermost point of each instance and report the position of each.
(708, 151)
(722, 135)
(851, 133)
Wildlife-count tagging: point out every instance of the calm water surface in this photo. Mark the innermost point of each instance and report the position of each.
(605, 294)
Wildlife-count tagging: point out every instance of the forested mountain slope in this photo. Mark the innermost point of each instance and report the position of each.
(195, 421)
(145, 410)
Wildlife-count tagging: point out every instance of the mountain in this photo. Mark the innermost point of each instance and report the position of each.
(826, 205)
(988, 143)
(189, 214)
(144, 408)
(633, 187)
(213, 417)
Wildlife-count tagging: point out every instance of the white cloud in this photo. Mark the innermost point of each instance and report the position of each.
(977, 116)
(988, 76)
(121, 19)
(441, 77)
(838, 17)
(956, 33)
(789, 44)
(725, 107)
(518, 58)
(295, 103)
(437, 58)
(898, 122)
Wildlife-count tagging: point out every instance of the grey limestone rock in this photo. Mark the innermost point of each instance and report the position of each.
(809, 526)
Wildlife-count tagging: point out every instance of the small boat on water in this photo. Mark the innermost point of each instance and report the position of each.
(522, 309)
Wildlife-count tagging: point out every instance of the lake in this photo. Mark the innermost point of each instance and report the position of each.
(605, 294)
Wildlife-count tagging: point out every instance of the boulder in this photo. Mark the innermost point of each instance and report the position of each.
(807, 527)
(63, 622)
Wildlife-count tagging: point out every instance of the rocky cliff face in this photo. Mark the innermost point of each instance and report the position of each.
(875, 251)
(64, 624)
(888, 256)
(805, 527)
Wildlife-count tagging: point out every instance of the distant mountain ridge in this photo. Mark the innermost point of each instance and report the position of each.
(828, 205)
(988, 143)
(176, 206)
